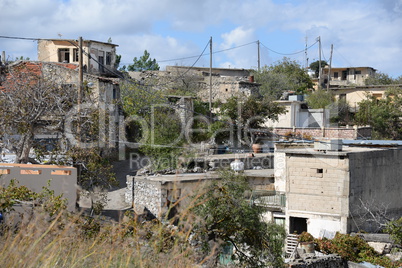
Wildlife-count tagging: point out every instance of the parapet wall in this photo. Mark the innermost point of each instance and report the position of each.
(352, 133)
(63, 180)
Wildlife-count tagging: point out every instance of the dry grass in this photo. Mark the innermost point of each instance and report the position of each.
(79, 241)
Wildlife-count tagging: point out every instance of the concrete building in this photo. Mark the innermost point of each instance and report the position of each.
(299, 120)
(325, 189)
(347, 76)
(355, 94)
(98, 57)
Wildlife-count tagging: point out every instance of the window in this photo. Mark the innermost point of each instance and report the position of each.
(64, 55)
(76, 55)
(320, 170)
(108, 58)
(336, 75)
(358, 72)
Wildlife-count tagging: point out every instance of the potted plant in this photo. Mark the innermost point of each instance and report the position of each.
(306, 241)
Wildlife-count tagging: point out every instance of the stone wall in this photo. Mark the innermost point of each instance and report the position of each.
(330, 133)
(147, 196)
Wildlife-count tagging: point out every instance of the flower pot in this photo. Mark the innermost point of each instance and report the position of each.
(308, 246)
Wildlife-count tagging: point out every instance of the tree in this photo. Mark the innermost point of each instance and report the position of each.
(30, 101)
(382, 79)
(227, 215)
(248, 114)
(143, 63)
(319, 99)
(315, 66)
(283, 76)
(382, 114)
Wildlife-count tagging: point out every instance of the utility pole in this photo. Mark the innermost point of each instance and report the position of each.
(305, 54)
(258, 48)
(319, 61)
(210, 75)
(80, 86)
(329, 71)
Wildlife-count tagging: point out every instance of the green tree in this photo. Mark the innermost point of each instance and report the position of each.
(248, 114)
(394, 228)
(283, 76)
(315, 66)
(319, 99)
(227, 215)
(143, 63)
(381, 79)
(382, 114)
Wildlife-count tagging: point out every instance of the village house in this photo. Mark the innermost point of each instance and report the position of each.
(328, 186)
(226, 82)
(102, 92)
(355, 94)
(99, 58)
(347, 76)
(301, 121)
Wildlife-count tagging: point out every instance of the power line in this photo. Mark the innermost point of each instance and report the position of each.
(294, 53)
(215, 52)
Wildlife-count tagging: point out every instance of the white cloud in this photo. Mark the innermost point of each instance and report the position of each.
(363, 32)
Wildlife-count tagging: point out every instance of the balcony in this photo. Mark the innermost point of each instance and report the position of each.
(269, 199)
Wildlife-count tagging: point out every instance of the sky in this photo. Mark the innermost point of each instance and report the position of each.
(177, 32)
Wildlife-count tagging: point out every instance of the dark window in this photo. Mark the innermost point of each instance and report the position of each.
(64, 55)
(336, 75)
(344, 75)
(101, 66)
(320, 170)
(108, 58)
(76, 55)
(358, 72)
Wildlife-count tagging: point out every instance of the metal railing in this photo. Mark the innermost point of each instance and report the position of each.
(268, 198)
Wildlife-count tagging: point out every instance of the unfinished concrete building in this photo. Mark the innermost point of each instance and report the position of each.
(329, 188)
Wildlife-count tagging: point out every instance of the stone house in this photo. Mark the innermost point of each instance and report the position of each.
(327, 188)
(155, 193)
(103, 94)
(225, 82)
(98, 57)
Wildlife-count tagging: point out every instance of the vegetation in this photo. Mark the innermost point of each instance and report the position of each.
(382, 114)
(315, 66)
(283, 76)
(394, 228)
(382, 79)
(226, 215)
(319, 99)
(353, 248)
(143, 63)
(26, 100)
(248, 114)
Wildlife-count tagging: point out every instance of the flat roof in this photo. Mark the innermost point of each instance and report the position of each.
(345, 151)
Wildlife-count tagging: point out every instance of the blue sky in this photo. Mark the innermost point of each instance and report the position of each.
(363, 32)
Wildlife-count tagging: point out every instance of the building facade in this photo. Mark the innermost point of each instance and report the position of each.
(99, 58)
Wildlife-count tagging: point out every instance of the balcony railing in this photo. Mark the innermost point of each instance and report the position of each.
(272, 199)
